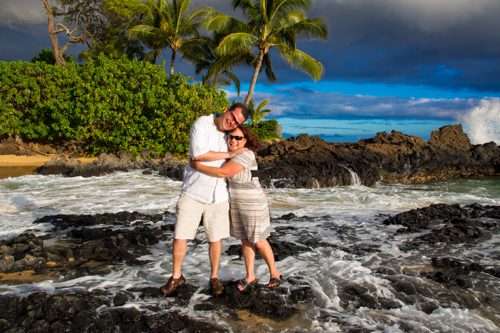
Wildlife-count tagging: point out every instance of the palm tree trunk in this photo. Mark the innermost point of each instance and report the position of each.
(172, 61)
(256, 72)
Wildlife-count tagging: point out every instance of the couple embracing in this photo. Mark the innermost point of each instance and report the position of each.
(222, 147)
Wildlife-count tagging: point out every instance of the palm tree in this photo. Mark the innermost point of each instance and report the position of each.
(271, 23)
(216, 70)
(258, 113)
(167, 25)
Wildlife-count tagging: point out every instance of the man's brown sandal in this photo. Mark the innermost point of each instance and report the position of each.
(216, 287)
(172, 285)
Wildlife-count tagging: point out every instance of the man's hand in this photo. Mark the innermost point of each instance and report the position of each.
(194, 163)
(236, 152)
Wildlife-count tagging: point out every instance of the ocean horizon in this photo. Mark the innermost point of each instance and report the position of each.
(481, 124)
(353, 130)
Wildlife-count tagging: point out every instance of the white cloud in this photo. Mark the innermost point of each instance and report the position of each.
(316, 104)
(19, 12)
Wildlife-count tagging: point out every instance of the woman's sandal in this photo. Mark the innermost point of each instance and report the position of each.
(244, 285)
(275, 282)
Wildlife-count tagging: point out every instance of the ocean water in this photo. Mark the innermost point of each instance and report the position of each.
(341, 216)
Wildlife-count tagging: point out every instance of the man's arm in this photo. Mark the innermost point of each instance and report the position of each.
(217, 155)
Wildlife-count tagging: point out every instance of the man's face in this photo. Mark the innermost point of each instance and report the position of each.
(232, 119)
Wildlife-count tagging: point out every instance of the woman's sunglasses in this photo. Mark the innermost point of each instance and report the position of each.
(236, 137)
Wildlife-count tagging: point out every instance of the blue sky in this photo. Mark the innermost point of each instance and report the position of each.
(408, 65)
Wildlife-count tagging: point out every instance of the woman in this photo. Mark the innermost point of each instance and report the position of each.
(250, 220)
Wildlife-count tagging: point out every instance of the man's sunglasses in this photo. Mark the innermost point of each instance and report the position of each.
(236, 137)
(233, 118)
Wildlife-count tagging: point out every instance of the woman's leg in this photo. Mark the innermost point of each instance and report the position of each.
(267, 254)
(249, 257)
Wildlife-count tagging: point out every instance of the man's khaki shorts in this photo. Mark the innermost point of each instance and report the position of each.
(191, 212)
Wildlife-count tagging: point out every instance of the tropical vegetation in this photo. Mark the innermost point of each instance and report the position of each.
(165, 25)
(270, 24)
(118, 99)
(105, 105)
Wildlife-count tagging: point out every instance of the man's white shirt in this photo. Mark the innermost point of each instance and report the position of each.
(205, 137)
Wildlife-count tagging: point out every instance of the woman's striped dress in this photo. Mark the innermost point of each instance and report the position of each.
(249, 210)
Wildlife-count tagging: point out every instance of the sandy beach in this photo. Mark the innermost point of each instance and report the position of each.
(14, 165)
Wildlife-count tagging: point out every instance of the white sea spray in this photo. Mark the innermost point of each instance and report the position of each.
(482, 123)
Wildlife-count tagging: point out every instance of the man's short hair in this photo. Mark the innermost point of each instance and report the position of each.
(243, 107)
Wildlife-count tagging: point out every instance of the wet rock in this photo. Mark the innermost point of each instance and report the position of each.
(392, 157)
(101, 312)
(278, 304)
(355, 296)
(168, 165)
(447, 224)
(455, 277)
(121, 298)
(454, 272)
(88, 245)
(423, 218)
(451, 136)
(66, 221)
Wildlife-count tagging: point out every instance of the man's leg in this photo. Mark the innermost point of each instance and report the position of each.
(215, 253)
(189, 213)
(216, 224)
(179, 250)
(176, 280)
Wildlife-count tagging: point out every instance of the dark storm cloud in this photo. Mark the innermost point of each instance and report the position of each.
(444, 43)
(447, 43)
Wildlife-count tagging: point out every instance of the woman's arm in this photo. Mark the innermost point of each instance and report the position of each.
(229, 169)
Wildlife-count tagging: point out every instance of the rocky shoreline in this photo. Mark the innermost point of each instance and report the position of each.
(310, 162)
(82, 245)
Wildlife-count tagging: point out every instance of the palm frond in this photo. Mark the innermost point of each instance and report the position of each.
(183, 5)
(311, 28)
(244, 5)
(222, 64)
(236, 43)
(260, 107)
(141, 31)
(303, 61)
(292, 18)
(268, 68)
(235, 80)
(224, 24)
(282, 8)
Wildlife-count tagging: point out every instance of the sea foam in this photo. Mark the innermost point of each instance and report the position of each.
(482, 123)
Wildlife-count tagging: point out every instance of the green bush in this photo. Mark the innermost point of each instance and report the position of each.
(266, 129)
(108, 105)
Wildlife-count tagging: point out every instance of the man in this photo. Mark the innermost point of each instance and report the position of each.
(205, 197)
